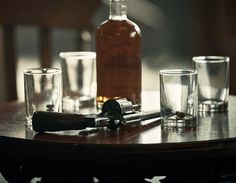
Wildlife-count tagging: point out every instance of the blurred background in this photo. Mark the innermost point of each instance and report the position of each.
(172, 33)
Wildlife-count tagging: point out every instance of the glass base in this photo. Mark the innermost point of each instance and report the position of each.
(99, 106)
(28, 122)
(74, 105)
(212, 106)
(176, 121)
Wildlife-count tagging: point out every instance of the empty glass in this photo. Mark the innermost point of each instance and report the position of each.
(213, 82)
(43, 91)
(79, 79)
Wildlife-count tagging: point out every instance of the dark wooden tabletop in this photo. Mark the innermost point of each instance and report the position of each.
(145, 143)
(211, 127)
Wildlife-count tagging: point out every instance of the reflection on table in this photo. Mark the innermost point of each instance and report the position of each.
(141, 146)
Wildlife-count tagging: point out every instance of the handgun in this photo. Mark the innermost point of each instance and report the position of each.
(115, 113)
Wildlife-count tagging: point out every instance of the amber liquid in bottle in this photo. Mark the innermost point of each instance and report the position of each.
(118, 48)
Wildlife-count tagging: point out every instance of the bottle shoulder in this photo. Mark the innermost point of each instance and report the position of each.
(113, 27)
(134, 25)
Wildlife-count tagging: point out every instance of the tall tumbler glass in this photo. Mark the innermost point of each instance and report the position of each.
(79, 79)
(43, 91)
(178, 96)
(213, 82)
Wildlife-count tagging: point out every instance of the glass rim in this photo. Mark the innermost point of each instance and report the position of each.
(180, 72)
(210, 59)
(42, 71)
(78, 54)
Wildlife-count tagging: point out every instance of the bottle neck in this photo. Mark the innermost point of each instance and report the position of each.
(118, 9)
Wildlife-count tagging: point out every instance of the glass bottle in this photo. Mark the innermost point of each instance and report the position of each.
(118, 48)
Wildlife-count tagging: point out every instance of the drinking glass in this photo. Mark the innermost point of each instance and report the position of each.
(178, 97)
(213, 82)
(43, 91)
(79, 79)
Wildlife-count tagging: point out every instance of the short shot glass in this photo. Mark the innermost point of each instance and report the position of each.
(178, 97)
(213, 82)
(79, 80)
(43, 91)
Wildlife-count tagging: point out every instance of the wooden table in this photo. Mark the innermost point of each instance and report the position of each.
(130, 154)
